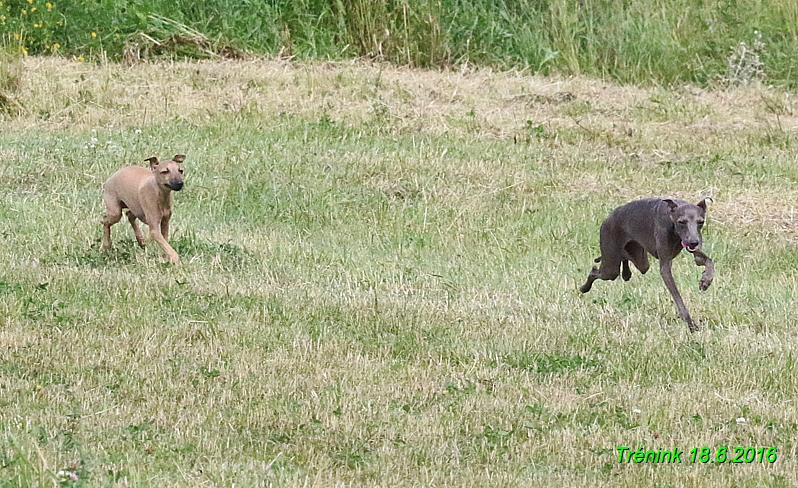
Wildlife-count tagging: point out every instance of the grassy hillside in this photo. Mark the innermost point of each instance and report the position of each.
(379, 280)
(638, 41)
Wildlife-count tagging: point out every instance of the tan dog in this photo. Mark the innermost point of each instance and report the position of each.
(147, 194)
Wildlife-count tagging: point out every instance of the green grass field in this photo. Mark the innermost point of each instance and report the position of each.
(379, 280)
(644, 42)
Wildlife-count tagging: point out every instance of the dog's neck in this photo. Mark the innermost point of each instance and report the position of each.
(164, 194)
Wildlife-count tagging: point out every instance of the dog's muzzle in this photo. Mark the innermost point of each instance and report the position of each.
(692, 247)
(175, 185)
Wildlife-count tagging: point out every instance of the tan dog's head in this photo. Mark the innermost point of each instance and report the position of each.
(168, 174)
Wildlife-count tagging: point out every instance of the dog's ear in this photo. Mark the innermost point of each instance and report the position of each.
(671, 204)
(703, 203)
(153, 161)
(179, 158)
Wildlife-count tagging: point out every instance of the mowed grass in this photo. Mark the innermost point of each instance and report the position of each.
(379, 280)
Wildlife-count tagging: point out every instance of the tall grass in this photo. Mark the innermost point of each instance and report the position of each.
(638, 41)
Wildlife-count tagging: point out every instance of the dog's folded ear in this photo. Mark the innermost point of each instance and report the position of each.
(671, 204)
(153, 161)
(703, 203)
(179, 158)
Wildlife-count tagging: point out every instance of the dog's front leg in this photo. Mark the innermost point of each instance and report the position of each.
(165, 226)
(155, 233)
(702, 259)
(670, 284)
(154, 222)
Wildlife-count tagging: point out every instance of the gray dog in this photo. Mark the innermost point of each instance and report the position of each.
(660, 227)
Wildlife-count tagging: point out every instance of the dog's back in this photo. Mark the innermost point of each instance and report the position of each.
(637, 221)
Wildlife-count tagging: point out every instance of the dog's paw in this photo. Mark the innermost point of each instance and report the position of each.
(704, 283)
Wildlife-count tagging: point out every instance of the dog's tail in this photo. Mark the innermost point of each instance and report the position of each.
(597, 260)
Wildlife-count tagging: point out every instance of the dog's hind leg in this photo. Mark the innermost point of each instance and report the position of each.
(591, 277)
(113, 214)
(626, 273)
(638, 256)
(609, 270)
(611, 258)
(139, 237)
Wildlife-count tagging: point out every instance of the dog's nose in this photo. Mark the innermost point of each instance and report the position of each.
(177, 185)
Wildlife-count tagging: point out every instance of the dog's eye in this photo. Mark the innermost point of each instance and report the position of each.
(180, 171)
(164, 172)
(700, 223)
(681, 222)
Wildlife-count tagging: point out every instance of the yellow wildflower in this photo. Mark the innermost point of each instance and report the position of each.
(30, 2)
(24, 50)
(49, 5)
(24, 12)
(80, 58)
(93, 34)
(32, 9)
(56, 46)
(36, 26)
(16, 36)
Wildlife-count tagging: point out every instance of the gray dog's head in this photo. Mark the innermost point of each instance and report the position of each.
(687, 222)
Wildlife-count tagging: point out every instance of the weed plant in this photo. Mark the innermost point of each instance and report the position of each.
(637, 41)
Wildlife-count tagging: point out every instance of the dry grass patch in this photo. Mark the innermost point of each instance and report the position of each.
(761, 213)
(479, 102)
